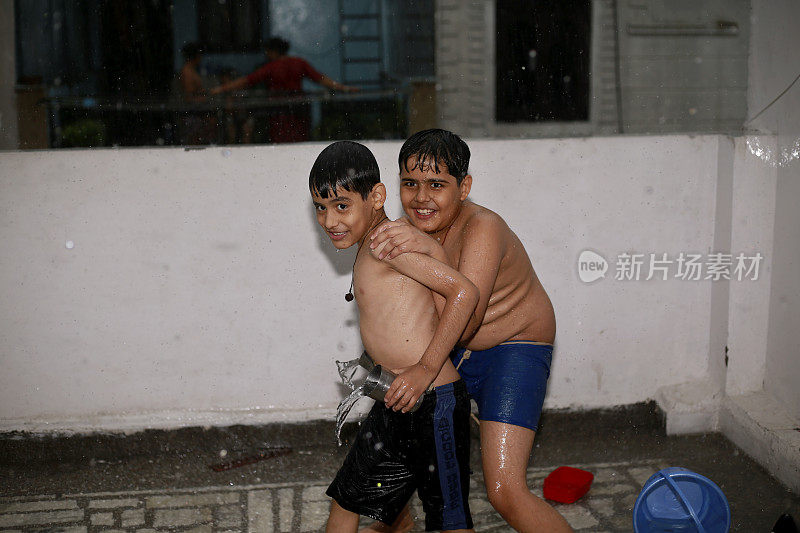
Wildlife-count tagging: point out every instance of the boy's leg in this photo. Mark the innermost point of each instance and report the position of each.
(341, 520)
(442, 464)
(505, 452)
(403, 524)
(374, 479)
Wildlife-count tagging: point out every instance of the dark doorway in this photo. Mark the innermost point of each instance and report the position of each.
(230, 26)
(542, 60)
(137, 48)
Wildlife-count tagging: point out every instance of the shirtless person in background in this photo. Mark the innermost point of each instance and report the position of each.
(506, 347)
(198, 125)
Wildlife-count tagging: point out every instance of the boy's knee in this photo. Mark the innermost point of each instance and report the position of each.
(504, 496)
(341, 520)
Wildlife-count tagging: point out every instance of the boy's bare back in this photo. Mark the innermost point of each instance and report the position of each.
(396, 313)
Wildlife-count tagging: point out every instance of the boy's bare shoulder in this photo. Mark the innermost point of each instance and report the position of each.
(480, 220)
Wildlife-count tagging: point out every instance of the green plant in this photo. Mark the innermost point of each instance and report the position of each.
(84, 133)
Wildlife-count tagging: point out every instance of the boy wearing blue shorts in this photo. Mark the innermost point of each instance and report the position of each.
(505, 351)
(398, 451)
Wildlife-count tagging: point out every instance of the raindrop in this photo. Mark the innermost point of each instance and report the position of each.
(70, 245)
(783, 157)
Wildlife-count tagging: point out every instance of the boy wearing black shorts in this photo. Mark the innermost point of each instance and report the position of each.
(397, 451)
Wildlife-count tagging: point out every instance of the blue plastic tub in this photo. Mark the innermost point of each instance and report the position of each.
(679, 500)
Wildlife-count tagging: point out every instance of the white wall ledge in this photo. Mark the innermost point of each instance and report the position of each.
(759, 425)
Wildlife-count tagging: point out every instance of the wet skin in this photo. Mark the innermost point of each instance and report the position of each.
(397, 315)
(191, 82)
(513, 305)
(400, 326)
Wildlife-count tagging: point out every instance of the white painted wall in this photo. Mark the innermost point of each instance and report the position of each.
(634, 195)
(199, 291)
(752, 231)
(783, 345)
(774, 64)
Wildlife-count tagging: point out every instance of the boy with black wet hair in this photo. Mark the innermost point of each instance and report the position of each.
(397, 452)
(505, 351)
(442, 150)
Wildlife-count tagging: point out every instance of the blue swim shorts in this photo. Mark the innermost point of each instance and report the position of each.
(508, 382)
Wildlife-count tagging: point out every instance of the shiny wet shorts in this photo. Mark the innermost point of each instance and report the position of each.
(508, 382)
(395, 454)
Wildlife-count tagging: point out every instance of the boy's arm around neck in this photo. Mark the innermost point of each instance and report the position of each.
(461, 297)
(481, 253)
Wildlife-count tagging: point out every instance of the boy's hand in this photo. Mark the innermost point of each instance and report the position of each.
(401, 237)
(408, 386)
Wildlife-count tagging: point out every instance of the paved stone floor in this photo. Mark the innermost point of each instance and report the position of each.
(162, 480)
(298, 506)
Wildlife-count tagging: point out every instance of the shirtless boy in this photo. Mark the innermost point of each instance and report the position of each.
(198, 126)
(507, 345)
(190, 79)
(396, 451)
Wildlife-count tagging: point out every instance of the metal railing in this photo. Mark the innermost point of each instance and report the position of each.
(143, 121)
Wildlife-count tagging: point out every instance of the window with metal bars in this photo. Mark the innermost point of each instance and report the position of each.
(542, 60)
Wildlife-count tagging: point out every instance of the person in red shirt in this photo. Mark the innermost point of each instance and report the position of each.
(283, 75)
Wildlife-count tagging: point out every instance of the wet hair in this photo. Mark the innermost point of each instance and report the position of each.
(276, 44)
(344, 164)
(435, 147)
(190, 51)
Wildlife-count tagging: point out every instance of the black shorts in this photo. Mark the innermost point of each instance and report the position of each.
(396, 453)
